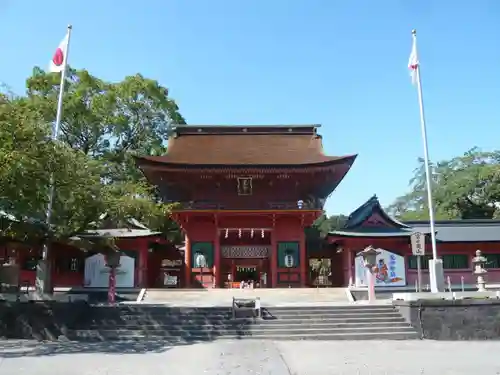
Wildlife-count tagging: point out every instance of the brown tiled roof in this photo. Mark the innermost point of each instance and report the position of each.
(253, 145)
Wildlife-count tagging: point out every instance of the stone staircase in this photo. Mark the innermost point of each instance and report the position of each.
(184, 324)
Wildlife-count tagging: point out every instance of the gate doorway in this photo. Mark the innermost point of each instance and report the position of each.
(235, 271)
(247, 273)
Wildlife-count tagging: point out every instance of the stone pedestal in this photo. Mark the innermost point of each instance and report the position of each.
(43, 282)
(436, 275)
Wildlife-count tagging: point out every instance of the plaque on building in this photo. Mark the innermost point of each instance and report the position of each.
(166, 263)
(244, 185)
(244, 251)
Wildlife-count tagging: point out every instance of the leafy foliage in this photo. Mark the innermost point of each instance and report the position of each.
(465, 187)
(104, 125)
(321, 227)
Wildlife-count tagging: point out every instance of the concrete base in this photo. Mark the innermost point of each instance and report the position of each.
(460, 319)
(444, 296)
(436, 275)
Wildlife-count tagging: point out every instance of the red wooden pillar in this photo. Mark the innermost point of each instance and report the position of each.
(349, 257)
(143, 264)
(303, 258)
(187, 262)
(217, 256)
(274, 260)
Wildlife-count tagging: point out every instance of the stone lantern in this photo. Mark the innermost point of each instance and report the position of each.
(479, 261)
(369, 256)
(289, 263)
(200, 261)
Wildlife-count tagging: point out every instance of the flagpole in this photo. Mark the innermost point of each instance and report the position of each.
(54, 137)
(430, 204)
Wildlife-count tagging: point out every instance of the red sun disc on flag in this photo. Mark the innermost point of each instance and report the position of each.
(58, 58)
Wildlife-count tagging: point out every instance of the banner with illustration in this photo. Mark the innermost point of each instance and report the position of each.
(390, 270)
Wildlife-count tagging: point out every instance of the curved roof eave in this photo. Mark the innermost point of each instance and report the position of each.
(143, 161)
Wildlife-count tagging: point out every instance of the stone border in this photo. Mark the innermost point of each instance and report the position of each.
(461, 319)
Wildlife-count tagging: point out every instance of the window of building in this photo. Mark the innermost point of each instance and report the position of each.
(493, 260)
(29, 263)
(450, 261)
(412, 262)
(455, 261)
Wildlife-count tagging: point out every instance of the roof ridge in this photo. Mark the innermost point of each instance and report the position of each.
(366, 209)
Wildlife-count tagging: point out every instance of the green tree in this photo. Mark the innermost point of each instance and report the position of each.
(28, 159)
(111, 123)
(322, 226)
(103, 126)
(465, 187)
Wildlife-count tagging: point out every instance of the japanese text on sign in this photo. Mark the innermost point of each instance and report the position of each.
(392, 266)
(418, 243)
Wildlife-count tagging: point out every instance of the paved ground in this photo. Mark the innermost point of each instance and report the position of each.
(252, 357)
(268, 297)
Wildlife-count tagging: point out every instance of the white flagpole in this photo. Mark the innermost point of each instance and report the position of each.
(430, 204)
(55, 130)
(55, 136)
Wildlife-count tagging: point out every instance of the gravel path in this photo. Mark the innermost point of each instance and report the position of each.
(251, 357)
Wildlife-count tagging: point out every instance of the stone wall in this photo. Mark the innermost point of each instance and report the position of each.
(453, 319)
(41, 320)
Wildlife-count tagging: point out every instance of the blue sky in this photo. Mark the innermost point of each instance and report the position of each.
(342, 64)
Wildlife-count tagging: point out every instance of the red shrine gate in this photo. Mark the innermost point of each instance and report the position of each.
(245, 195)
(243, 245)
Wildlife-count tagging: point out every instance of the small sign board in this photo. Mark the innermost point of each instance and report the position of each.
(417, 243)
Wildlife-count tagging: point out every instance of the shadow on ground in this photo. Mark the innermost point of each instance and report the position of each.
(21, 348)
(48, 328)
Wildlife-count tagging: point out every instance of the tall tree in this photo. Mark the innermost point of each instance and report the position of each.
(103, 126)
(28, 160)
(465, 187)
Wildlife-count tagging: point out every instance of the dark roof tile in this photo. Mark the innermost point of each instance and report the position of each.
(462, 230)
(241, 145)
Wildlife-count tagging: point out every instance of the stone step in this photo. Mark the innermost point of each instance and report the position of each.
(303, 316)
(272, 311)
(243, 331)
(141, 308)
(393, 335)
(355, 320)
(332, 307)
(179, 293)
(257, 325)
(139, 320)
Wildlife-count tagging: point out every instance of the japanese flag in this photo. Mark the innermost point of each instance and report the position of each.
(58, 62)
(413, 62)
